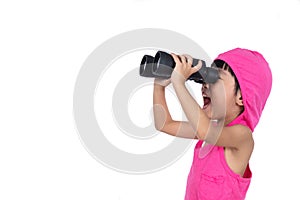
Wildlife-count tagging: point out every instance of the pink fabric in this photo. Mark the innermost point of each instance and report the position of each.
(210, 178)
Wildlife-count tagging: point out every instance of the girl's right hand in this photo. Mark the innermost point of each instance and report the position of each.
(162, 82)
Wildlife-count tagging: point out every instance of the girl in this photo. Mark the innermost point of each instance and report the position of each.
(232, 108)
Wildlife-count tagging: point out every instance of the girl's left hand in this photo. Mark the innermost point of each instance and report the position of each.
(183, 69)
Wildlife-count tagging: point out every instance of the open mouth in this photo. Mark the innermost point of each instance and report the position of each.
(206, 101)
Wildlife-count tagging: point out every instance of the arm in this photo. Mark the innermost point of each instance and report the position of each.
(162, 117)
(211, 131)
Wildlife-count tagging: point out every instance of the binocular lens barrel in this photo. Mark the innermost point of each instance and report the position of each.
(162, 65)
(146, 66)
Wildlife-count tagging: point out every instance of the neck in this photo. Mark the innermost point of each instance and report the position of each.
(232, 117)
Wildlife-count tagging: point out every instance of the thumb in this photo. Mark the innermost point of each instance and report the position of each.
(197, 67)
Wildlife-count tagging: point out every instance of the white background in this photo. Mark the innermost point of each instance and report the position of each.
(42, 48)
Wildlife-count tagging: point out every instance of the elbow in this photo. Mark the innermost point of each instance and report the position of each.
(210, 134)
(159, 125)
(202, 133)
(163, 125)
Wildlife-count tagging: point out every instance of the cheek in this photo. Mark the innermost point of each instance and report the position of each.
(229, 87)
(230, 100)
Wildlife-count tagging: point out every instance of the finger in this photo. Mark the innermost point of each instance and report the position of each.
(197, 67)
(189, 59)
(183, 59)
(175, 57)
(168, 81)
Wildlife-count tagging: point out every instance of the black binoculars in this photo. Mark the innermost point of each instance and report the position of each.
(162, 65)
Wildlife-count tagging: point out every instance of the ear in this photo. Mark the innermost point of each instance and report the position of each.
(239, 99)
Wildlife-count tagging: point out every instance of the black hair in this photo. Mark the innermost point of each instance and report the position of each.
(223, 65)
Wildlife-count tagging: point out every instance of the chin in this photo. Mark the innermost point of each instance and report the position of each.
(207, 111)
(212, 115)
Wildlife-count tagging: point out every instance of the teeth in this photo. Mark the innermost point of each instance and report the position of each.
(205, 95)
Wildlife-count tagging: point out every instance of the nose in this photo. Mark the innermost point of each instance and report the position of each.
(205, 86)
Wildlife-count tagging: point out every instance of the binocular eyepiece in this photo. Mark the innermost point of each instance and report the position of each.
(162, 65)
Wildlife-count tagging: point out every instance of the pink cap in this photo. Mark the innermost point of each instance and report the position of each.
(255, 79)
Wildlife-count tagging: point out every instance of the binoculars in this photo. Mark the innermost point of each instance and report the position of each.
(162, 65)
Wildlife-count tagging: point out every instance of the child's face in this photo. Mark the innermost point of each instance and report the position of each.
(220, 100)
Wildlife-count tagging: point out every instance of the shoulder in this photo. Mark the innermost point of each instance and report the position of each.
(236, 136)
(243, 135)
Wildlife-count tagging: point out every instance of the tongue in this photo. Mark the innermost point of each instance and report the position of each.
(206, 101)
